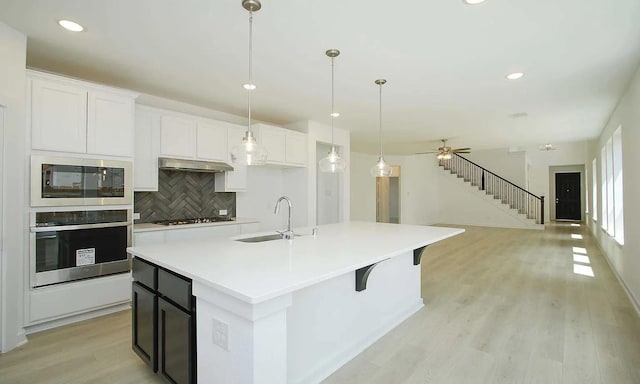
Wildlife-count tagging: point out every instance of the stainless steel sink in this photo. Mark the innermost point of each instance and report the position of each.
(259, 239)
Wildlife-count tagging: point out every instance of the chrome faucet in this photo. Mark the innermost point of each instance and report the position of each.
(288, 234)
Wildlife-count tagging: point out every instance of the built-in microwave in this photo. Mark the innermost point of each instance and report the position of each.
(68, 181)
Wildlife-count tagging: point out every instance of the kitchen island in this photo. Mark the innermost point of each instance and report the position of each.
(294, 311)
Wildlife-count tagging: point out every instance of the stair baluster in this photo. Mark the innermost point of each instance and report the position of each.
(507, 192)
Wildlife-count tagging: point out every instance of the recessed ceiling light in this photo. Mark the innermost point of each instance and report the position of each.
(515, 75)
(71, 26)
(473, 2)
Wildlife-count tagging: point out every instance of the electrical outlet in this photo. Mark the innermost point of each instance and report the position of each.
(222, 212)
(220, 334)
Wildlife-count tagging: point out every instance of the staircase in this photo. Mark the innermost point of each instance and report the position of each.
(514, 197)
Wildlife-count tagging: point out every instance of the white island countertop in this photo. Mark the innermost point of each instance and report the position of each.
(256, 272)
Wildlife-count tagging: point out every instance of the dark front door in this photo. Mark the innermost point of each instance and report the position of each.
(568, 196)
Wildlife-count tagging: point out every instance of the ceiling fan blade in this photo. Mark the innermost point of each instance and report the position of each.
(461, 149)
(461, 152)
(425, 153)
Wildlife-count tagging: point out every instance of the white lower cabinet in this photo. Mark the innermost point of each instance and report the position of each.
(197, 233)
(214, 232)
(63, 300)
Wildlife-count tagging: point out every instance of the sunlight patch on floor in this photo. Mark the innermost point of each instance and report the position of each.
(576, 236)
(584, 270)
(580, 250)
(581, 259)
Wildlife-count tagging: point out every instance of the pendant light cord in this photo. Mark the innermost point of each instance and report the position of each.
(250, 69)
(380, 119)
(332, 104)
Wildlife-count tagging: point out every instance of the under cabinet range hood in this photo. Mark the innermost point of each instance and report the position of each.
(192, 165)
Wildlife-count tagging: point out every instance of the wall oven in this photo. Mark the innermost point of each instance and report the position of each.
(74, 245)
(66, 181)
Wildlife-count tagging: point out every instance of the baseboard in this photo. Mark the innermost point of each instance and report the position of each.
(632, 298)
(77, 318)
(321, 373)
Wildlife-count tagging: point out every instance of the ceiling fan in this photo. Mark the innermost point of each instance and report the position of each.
(445, 152)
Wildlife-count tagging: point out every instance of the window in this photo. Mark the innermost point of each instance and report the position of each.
(594, 189)
(617, 186)
(611, 187)
(610, 209)
(603, 187)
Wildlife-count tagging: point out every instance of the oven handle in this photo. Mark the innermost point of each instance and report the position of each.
(57, 228)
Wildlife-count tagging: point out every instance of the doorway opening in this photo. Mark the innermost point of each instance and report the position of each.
(388, 197)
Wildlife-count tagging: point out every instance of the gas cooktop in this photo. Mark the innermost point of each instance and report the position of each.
(199, 220)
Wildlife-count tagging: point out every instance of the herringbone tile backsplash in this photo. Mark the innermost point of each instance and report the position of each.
(183, 195)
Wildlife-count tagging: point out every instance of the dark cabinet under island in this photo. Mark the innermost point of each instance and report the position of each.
(164, 322)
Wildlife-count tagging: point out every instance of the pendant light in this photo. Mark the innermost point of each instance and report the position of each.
(249, 152)
(381, 168)
(333, 163)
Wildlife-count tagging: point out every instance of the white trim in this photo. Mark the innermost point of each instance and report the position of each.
(2, 202)
(634, 302)
(77, 318)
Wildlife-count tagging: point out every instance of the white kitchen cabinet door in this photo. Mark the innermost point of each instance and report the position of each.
(147, 146)
(296, 148)
(178, 137)
(236, 180)
(58, 117)
(273, 139)
(110, 124)
(211, 143)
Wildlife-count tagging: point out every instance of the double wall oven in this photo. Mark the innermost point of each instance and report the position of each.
(81, 219)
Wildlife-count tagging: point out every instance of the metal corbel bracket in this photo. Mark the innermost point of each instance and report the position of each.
(362, 274)
(417, 255)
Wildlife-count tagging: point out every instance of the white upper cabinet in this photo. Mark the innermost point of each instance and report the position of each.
(110, 125)
(147, 147)
(273, 138)
(296, 148)
(284, 147)
(177, 137)
(74, 116)
(211, 141)
(58, 117)
(236, 180)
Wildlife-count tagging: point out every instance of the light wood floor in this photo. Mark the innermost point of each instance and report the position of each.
(501, 306)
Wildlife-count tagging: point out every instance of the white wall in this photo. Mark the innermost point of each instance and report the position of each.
(363, 187)
(265, 185)
(13, 47)
(321, 133)
(419, 201)
(625, 259)
(510, 165)
(461, 204)
(427, 196)
(566, 154)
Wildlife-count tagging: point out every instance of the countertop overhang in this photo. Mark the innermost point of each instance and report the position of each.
(257, 272)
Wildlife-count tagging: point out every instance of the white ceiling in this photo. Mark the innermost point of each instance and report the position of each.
(445, 62)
